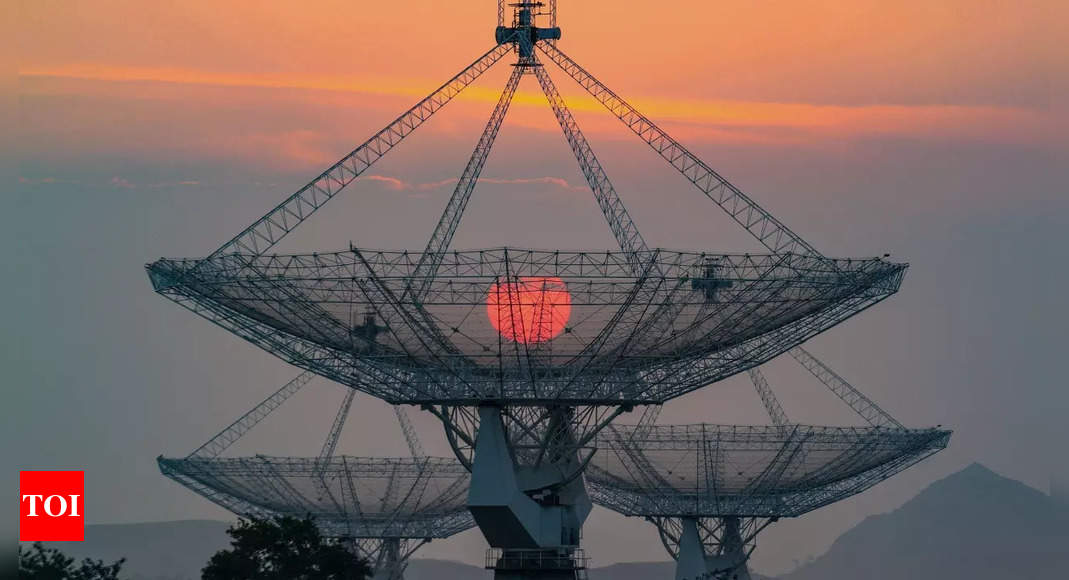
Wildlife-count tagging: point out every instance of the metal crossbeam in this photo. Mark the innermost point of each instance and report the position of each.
(431, 258)
(623, 228)
(225, 438)
(768, 397)
(763, 226)
(855, 399)
(271, 228)
(339, 422)
(646, 422)
(414, 446)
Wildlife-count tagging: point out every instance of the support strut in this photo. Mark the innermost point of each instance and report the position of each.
(432, 256)
(623, 228)
(225, 438)
(855, 399)
(763, 226)
(768, 397)
(271, 228)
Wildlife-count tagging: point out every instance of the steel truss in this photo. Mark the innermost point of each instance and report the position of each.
(748, 471)
(385, 499)
(782, 470)
(763, 226)
(383, 508)
(443, 349)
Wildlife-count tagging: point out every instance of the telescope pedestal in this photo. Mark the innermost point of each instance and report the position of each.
(389, 565)
(727, 563)
(531, 515)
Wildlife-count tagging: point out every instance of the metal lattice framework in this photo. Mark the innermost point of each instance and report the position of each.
(550, 346)
(354, 497)
(342, 315)
(385, 508)
(781, 470)
(758, 471)
(710, 489)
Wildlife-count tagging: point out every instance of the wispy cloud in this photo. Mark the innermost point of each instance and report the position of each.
(396, 184)
(122, 183)
(714, 119)
(116, 182)
(45, 181)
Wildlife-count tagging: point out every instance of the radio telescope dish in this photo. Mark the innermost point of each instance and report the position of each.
(523, 374)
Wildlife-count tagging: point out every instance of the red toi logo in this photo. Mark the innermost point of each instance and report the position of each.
(50, 506)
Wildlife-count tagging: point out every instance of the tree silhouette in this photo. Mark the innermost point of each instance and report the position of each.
(41, 563)
(283, 548)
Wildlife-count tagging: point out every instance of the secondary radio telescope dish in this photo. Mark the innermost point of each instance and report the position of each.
(383, 508)
(525, 354)
(710, 489)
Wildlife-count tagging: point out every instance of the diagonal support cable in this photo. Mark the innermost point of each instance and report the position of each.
(414, 446)
(284, 218)
(762, 225)
(855, 399)
(335, 428)
(768, 397)
(646, 422)
(216, 445)
(431, 259)
(623, 228)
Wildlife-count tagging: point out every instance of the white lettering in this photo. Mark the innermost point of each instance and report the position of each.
(74, 506)
(62, 502)
(33, 504)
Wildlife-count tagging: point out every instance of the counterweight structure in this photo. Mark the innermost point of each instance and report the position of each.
(383, 508)
(710, 489)
(524, 355)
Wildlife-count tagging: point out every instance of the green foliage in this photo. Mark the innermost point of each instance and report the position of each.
(41, 563)
(284, 548)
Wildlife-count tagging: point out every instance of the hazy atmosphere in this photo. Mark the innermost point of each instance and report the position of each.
(934, 132)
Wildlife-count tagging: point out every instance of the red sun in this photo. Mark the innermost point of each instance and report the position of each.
(529, 309)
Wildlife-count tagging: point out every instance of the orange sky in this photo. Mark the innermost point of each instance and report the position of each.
(755, 71)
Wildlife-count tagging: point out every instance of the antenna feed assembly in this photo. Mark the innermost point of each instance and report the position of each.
(523, 31)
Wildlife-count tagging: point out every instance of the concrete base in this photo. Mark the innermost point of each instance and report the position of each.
(536, 564)
(540, 574)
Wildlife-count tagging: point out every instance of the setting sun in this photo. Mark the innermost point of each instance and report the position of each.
(531, 309)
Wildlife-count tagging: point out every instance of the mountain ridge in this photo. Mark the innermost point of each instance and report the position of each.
(972, 524)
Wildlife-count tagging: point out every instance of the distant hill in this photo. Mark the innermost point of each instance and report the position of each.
(444, 570)
(974, 524)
